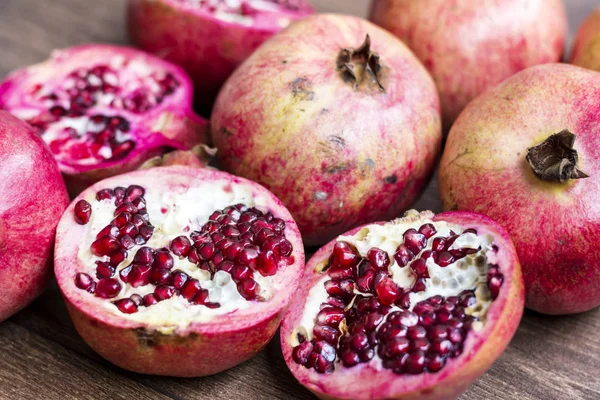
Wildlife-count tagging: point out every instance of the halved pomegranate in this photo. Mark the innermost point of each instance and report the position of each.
(209, 38)
(176, 270)
(103, 110)
(414, 308)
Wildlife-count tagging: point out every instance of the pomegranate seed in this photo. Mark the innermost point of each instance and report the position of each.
(108, 230)
(415, 363)
(149, 300)
(378, 258)
(201, 297)
(419, 285)
(206, 250)
(179, 279)
(126, 306)
(127, 242)
(403, 255)
(428, 230)
(494, 284)
(104, 270)
(267, 264)
(139, 203)
(84, 281)
(210, 227)
(105, 194)
(108, 288)
(342, 289)
(285, 248)
(128, 229)
(163, 259)
(181, 246)
(124, 273)
(301, 352)
(248, 289)
(263, 235)
(248, 256)
(345, 256)
(146, 231)
(240, 273)
(164, 292)
(414, 240)
(444, 259)
(230, 231)
(226, 266)
(122, 219)
(83, 212)
(326, 350)
(217, 258)
(117, 258)
(137, 299)
(232, 251)
(387, 291)
(193, 257)
(438, 244)
(190, 289)
(159, 276)
(139, 275)
(278, 225)
(133, 192)
(145, 255)
(125, 207)
(404, 300)
(327, 333)
(365, 282)
(104, 246)
(119, 193)
(436, 363)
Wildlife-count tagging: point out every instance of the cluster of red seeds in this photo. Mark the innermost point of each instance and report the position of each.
(237, 240)
(82, 89)
(245, 7)
(406, 341)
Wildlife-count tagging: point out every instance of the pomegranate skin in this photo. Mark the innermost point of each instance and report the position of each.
(336, 156)
(364, 382)
(586, 49)
(208, 48)
(555, 226)
(172, 124)
(200, 349)
(28, 217)
(469, 46)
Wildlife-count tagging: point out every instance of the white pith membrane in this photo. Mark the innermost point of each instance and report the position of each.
(246, 12)
(174, 214)
(45, 86)
(465, 274)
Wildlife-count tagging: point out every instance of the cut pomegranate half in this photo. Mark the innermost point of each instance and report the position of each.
(174, 260)
(414, 308)
(103, 110)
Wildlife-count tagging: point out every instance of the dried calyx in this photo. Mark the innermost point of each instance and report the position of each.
(358, 65)
(555, 159)
(403, 295)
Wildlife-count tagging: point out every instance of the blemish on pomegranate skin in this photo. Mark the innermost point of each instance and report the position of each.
(302, 89)
(391, 179)
(164, 210)
(319, 195)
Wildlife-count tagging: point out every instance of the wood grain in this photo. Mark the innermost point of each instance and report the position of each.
(43, 357)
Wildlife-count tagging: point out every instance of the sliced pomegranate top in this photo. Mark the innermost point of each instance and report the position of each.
(409, 297)
(174, 246)
(260, 14)
(97, 105)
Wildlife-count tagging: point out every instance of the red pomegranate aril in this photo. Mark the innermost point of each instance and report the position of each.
(428, 230)
(344, 256)
(327, 333)
(403, 255)
(419, 285)
(397, 347)
(149, 300)
(435, 363)
(108, 230)
(119, 193)
(416, 332)
(444, 258)
(331, 316)
(139, 275)
(232, 251)
(126, 207)
(128, 229)
(414, 240)
(285, 248)
(350, 359)
(217, 258)
(105, 194)
(263, 235)
(248, 289)
(230, 231)
(134, 191)
(124, 273)
(105, 245)
(415, 362)
(163, 259)
(104, 270)
(378, 258)
(190, 289)
(160, 276)
(365, 282)
(127, 242)
(241, 272)
(117, 257)
(266, 263)
(137, 299)
(206, 250)
(226, 266)
(179, 279)
(248, 256)
(373, 320)
(440, 346)
(302, 352)
(122, 219)
(494, 285)
(387, 291)
(146, 231)
(419, 266)
(210, 227)
(84, 281)
(420, 344)
(144, 255)
(83, 212)
(181, 246)
(438, 244)
(108, 288)
(344, 288)
(217, 237)
(126, 306)
(164, 292)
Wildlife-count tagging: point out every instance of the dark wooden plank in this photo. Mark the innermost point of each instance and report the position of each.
(43, 357)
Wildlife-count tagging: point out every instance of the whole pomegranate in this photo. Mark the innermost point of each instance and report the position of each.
(527, 154)
(416, 308)
(209, 38)
(33, 199)
(337, 118)
(104, 110)
(177, 270)
(469, 46)
(586, 49)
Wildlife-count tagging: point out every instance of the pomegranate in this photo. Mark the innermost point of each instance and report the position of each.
(414, 308)
(586, 49)
(199, 156)
(337, 118)
(526, 154)
(33, 199)
(469, 46)
(177, 270)
(104, 110)
(209, 38)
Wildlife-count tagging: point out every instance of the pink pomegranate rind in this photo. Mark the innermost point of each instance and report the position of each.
(208, 40)
(33, 199)
(157, 118)
(481, 348)
(469, 46)
(586, 49)
(200, 348)
(555, 225)
(337, 152)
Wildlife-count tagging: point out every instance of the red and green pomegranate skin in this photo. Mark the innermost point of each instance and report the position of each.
(34, 197)
(555, 225)
(148, 345)
(371, 380)
(337, 151)
(586, 49)
(469, 46)
(104, 110)
(209, 39)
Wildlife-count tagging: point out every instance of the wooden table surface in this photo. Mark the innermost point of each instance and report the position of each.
(42, 357)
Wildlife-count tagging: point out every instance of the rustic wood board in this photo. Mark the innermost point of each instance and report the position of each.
(43, 357)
